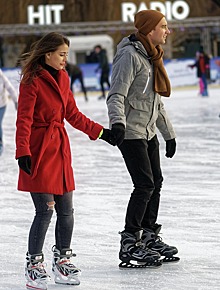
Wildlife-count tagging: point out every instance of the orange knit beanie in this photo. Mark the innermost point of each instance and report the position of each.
(146, 20)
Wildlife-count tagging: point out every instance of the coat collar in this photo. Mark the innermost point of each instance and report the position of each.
(58, 85)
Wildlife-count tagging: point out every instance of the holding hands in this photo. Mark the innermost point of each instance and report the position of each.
(115, 136)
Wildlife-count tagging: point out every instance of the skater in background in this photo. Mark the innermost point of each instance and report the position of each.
(202, 65)
(44, 156)
(135, 109)
(6, 90)
(103, 68)
(75, 73)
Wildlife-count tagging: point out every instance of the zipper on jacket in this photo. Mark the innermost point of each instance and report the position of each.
(145, 88)
(145, 56)
(147, 133)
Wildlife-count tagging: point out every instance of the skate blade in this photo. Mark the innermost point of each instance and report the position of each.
(36, 287)
(172, 259)
(70, 281)
(140, 265)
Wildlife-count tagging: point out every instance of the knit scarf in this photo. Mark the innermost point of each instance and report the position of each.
(161, 80)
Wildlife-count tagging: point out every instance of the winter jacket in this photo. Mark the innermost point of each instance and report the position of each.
(203, 66)
(131, 100)
(42, 108)
(6, 89)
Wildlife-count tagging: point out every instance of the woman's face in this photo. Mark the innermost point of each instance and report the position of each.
(58, 58)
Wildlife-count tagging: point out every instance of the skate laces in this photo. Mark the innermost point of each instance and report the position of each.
(66, 267)
(159, 240)
(37, 271)
(39, 266)
(140, 244)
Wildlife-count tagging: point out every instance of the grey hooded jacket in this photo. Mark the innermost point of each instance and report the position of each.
(131, 100)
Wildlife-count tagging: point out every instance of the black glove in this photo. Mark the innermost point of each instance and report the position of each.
(118, 132)
(107, 136)
(24, 163)
(170, 148)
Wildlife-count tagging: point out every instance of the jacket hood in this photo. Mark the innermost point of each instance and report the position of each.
(130, 40)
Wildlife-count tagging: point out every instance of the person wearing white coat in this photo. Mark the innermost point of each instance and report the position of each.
(6, 90)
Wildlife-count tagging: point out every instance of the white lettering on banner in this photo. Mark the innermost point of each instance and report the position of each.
(177, 10)
(46, 14)
(35, 15)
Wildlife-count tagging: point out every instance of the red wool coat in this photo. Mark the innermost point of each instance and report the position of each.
(42, 108)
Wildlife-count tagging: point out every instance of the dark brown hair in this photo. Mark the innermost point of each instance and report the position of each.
(32, 61)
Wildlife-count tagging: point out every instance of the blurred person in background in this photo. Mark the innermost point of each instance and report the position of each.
(103, 68)
(202, 65)
(135, 110)
(6, 90)
(75, 73)
(44, 155)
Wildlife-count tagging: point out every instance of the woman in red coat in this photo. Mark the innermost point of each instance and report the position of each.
(44, 157)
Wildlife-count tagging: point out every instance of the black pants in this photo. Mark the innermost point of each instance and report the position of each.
(143, 163)
(44, 206)
(80, 78)
(104, 78)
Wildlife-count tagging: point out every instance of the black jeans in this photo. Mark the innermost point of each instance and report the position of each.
(143, 163)
(104, 78)
(80, 78)
(44, 206)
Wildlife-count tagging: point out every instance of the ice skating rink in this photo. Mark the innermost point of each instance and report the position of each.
(189, 211)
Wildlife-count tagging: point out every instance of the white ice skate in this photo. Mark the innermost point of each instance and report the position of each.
(35, 273)
(64, 271)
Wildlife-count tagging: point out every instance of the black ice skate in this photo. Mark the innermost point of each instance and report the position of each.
(35, 272)
(134, 254)
(155, 243)
(64, 271)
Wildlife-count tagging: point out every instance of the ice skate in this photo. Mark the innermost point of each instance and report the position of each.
(102, 97)
(134, 254)
(35, 272)
(64, 271)
(155, 243)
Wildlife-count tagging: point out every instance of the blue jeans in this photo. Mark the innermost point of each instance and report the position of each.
(205, 86)
(45, 204)
(143, 163)
(2, 112)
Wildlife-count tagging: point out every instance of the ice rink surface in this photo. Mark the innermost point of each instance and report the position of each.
(189, 211)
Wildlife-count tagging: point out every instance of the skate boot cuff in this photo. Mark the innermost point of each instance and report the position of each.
(35, 259)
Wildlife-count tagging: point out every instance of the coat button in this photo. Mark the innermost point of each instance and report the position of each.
(52, 136)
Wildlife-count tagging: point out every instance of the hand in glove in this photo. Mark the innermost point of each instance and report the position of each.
(170, 148)
(24, 163)
(118, 132)
(106, 135)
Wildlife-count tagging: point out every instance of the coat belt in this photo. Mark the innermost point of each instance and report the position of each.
(46, 140)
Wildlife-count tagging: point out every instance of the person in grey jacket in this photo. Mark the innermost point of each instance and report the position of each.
(6, 90)
(135, 111)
